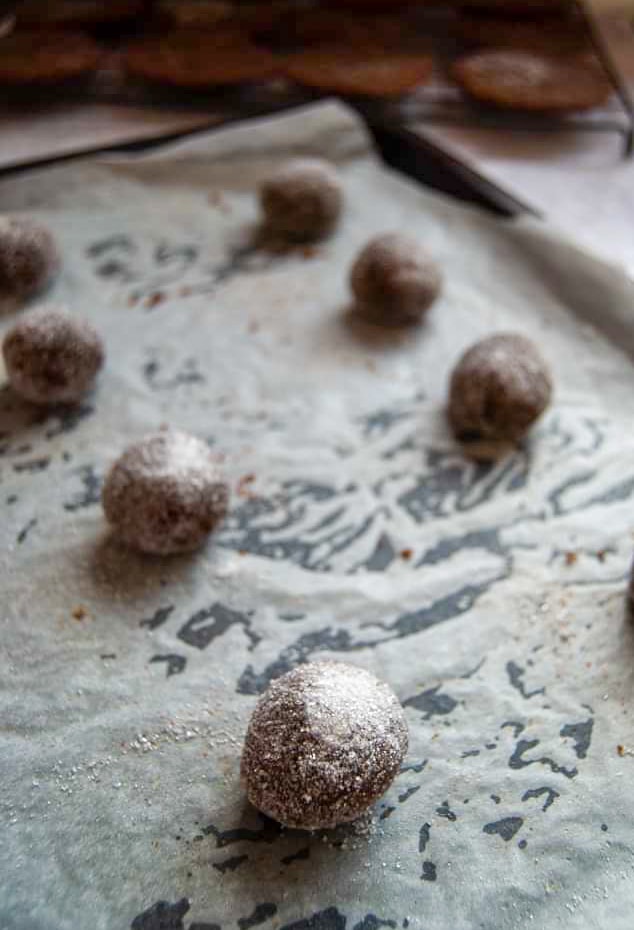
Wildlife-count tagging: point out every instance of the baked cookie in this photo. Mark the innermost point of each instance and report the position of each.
(388, 6)
(302, 199)
(194, 14)
(523, 80)
(198, 60)
(52, 357)
(46, 57)
(29, 259)
(36, 14)
(499, 387)
(394, 280)
(359, 72)
(557, 35)
(165, 495)
(516, 8)
(308, 28)
(323, 744)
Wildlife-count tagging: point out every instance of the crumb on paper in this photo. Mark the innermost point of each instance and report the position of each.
(601, 554)
(79, 612)
(406, 554)
(570, 557)
(242, 489)
(154, 299)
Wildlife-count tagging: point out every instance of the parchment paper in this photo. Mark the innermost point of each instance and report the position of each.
(491, 597)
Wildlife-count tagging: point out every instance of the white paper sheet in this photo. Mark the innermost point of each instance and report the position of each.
(503, 629)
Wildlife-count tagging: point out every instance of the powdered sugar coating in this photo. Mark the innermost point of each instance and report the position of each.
(302, 200)
(164, 494)
(394, 280)
(28, 258)
(323, 743)
(499, 387)
(52, 357)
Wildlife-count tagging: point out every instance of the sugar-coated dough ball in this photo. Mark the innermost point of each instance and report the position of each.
(324, 742)
(394, 280)
(302, 199)
(165, 494)
(52, 357)
(499, 387)
(28, 258)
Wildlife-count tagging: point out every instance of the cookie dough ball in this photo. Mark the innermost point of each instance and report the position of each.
(52, 357)
(394, 280)
(302, 200)
(324, 742)
(500, 386)
(28, 259)
(164, 494)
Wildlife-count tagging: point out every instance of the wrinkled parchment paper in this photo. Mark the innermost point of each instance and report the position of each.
(491, 597)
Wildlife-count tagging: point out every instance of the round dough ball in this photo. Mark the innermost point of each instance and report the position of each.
(302, 200)
(164, 494)
(394, 280)
(499, 387)
(28, 258)
(52, 357)
(324, 742)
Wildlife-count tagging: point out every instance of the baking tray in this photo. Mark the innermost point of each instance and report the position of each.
(490, 594)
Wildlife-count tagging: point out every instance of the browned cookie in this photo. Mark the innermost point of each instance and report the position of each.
(547, 34)
(46, 57)
(197, 60)
(256, 16)
(323, 744)
(381, 6)
(358, 72)
(36, 13)
(523, 80)
(194, 14)
(304, 28)
(513, 7)
(52, 357)
(499, 387)
(164, 494)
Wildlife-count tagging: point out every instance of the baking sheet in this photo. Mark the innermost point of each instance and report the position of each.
(491, 597)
